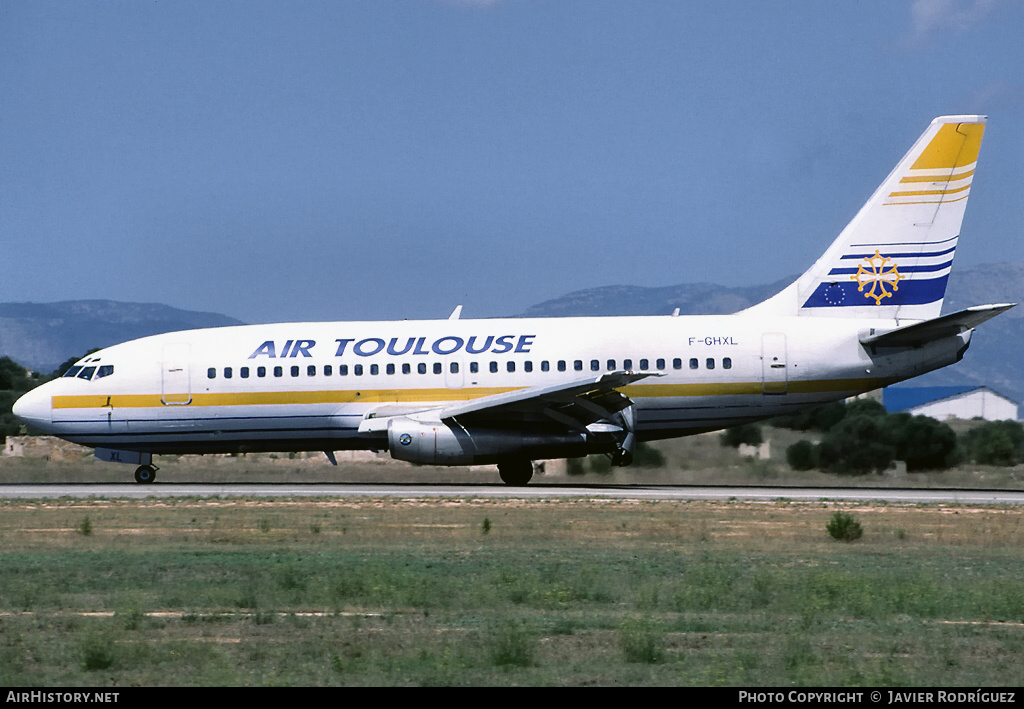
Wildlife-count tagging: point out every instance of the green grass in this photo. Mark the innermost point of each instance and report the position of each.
(381, 592)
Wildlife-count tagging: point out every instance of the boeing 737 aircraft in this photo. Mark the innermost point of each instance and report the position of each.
(510, 391)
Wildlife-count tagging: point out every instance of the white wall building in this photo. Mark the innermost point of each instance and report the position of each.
(966, 402)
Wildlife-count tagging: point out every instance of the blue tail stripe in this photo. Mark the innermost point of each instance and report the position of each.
(843, 294)
(906, 254)
(930, 268)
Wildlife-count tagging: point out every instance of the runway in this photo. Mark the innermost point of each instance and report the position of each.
(498, 491)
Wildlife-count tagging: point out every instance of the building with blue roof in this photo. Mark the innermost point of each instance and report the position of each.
(942, 402)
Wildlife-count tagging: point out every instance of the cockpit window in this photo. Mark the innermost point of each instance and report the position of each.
(86, 373)
(72, 372)
(105, 371)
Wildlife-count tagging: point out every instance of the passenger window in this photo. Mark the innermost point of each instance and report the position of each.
(528, 366)
(611, 365)
(544, 366)
(374, 370)
(627, 364)
(390, 369)
(578, 365)
(357, 369)
(561, 365)
(693, 363)
(343, 370)
(295, 370)
(660, 363)
(727, 363)
(278, 371)
(710, 363)
(644, 364)
(595, 365)
(243, 372)
(677, 363)
(494, 367)
(474, 367)
(510, 366)
(454, 367)
(261, 371)
(437, 367)
(328, 370)
(72, 372)
(406, 368)
(211, 373)
(105, 371)
(227, 372)
(421, 368)
(311, 370)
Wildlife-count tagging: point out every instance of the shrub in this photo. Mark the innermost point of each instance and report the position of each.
(512, 646)
(802, 455)
(749, 434)
(641, 640)
(574, 466)
(647, 456)
(844, 527)
(97, 652)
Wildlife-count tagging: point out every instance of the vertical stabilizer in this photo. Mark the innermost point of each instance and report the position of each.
(893, 260)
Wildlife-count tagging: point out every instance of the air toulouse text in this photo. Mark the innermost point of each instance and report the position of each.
(396, 346)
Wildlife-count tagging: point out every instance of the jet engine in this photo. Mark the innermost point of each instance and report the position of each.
(441, 443)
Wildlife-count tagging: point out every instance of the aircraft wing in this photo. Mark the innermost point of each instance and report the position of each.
(929, 330)
(575, 404)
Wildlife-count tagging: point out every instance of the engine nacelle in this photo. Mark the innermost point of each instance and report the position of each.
(436, 443)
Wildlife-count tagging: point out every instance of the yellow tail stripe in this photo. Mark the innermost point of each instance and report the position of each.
(938, 178)
(924, 193)
(955, 145)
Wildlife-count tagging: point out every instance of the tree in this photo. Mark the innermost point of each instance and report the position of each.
(749, 434)
(996, 443)
(802, 455)
(921, 441)
(14, 377)
(856, 446)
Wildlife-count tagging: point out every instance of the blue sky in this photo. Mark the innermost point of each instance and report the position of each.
(390, 159)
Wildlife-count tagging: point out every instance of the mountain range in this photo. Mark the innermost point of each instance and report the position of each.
(43, 335)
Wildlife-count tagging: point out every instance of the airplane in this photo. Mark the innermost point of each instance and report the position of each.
(511, 391)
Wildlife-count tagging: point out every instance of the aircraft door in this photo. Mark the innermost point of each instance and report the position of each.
(775, 378)
(453, 374)
(174, 375)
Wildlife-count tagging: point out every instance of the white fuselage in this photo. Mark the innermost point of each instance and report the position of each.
(309, 386)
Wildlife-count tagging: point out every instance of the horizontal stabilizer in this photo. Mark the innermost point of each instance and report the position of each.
(930, 330)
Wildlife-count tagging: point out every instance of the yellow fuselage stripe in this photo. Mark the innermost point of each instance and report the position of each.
(282, 398)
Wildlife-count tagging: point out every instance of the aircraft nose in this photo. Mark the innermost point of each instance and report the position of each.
(33, 409)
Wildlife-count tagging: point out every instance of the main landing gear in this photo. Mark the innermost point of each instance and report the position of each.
(516, 472)
(145, 474)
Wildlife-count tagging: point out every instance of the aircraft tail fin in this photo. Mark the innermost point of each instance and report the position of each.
(893, 259)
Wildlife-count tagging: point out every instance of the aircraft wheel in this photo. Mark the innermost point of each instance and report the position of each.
(145, 474)
(621, 458)
(516, 472)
